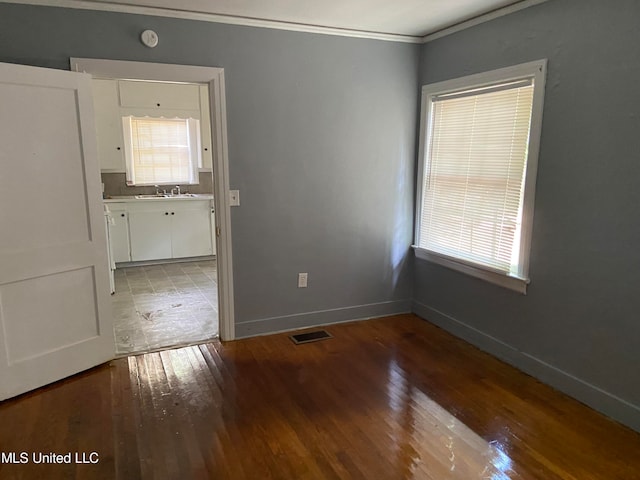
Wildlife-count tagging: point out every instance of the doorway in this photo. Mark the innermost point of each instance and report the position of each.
(154, 147)
(177, 303)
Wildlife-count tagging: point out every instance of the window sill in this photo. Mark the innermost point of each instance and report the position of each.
(507, 281)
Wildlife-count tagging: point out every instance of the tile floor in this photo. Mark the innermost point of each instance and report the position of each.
(160, 306)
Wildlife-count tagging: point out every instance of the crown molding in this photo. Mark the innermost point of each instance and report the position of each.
(472, 22)
(215, 18)
(278, 25)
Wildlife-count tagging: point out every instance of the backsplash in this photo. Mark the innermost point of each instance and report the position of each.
(115, 186)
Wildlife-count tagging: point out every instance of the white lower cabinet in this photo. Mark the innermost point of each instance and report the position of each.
(163, 229)
(119, 236)
(191, 232)
(150, 234)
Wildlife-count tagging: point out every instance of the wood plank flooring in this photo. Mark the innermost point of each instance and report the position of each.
(393, 398)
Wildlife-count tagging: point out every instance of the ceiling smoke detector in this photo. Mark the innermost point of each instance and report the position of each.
(149, 38)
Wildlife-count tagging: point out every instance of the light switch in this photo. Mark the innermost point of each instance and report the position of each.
(234, 198)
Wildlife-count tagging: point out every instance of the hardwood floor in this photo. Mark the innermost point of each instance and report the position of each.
(392, 398)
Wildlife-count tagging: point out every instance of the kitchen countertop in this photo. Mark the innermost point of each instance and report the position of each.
(132, 198)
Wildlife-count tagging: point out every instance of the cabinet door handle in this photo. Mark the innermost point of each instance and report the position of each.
(166, 213)
(173, 213)
(122, 214)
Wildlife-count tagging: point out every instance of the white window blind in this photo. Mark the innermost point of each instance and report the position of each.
(474, 175)
(161, 151)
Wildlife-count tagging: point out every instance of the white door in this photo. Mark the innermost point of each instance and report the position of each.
(55, 312)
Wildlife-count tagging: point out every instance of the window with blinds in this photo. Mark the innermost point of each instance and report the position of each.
(161, 151)
(477, 173)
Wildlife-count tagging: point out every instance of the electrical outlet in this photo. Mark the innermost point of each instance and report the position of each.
(234, 198)
(302, 280)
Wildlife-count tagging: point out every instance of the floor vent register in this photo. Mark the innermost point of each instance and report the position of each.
(310, 337)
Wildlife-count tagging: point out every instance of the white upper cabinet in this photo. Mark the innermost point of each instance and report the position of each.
(108, 125)
(205, 125)
(157, 95)
(114, 99)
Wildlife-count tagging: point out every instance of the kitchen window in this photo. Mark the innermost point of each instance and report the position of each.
(161, 151)
(478, 160)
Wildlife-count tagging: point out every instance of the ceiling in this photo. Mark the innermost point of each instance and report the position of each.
(394, 19)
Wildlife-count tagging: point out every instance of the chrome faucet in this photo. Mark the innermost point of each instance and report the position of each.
(173, 190)
(157, 190)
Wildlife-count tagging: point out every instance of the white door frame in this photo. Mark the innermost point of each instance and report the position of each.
(214, 77)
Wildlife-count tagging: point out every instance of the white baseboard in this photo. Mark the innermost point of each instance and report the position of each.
(591, 395)
(285, 323)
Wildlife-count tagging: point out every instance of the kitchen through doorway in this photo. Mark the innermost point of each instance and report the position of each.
(155, 151)
(188, 298)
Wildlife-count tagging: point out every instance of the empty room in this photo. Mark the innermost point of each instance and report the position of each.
(319, 240)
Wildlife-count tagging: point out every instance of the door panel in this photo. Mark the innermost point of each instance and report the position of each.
(44, 161)
(26, 334)
(55, 312)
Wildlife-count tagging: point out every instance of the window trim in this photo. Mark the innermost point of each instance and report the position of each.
(537, 71)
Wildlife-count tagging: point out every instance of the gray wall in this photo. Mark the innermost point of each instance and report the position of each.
(578, 328)
(321, 146)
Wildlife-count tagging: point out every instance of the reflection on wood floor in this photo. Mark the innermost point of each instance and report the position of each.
(393, 398)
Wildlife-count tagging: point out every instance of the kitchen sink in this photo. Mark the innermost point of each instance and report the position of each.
(166, 195)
